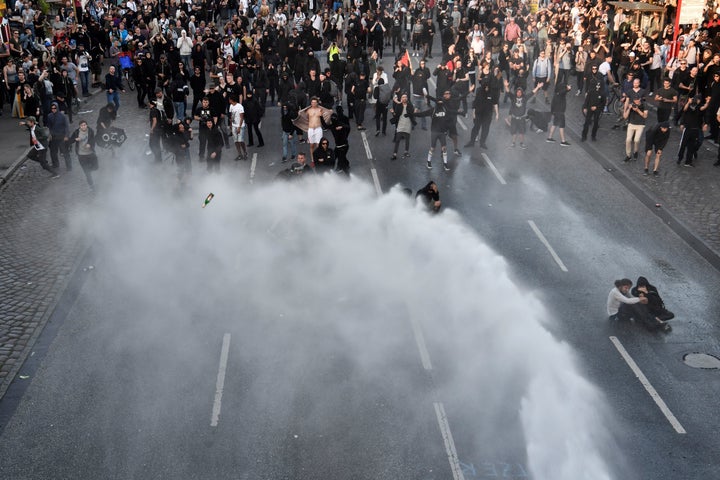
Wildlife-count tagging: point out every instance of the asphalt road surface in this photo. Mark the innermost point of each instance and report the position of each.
(254, 347)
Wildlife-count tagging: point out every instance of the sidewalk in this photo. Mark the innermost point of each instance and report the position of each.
(38, 253)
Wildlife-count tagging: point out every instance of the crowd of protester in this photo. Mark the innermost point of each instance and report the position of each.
(226, 63)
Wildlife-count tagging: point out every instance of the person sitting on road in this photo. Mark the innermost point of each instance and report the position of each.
(430, 195)
(624, 307)
(655, 304)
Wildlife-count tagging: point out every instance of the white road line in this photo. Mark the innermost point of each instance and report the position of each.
(376, 181)
(645, 383)
(252, 167)
(449, 442)
(366, 144)
(420, 341)
(462, 124)
(432, 82)
(547, 245)
(494, 170)
(220, 384)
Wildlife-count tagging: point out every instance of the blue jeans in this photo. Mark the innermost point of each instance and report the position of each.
(114, 98)
(85, 81)
(293, 144)
(179, 110)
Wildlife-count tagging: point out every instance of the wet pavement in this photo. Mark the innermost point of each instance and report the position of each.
(39, 251)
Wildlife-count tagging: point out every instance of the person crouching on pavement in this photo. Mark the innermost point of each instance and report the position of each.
(430, 195)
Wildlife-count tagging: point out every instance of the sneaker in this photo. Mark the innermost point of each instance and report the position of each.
(55, 176)
(646, 172)
(678, 161)
(394, 156)
(564, 144)
(523, 146)
(512, 145)
(688, 164)
(482, 145)
(429, 165)
(635, 156)
(550, 140)
(377, 134)
(284, 159)
(656, 173)
(406, 155)
(457, 152)
(446, 167)
(469, 145)
(627, 159)
(577, 94)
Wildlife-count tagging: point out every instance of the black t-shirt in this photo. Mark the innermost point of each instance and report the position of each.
(666, 94)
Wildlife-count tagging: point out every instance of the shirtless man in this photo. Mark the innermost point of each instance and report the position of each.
(315, 131)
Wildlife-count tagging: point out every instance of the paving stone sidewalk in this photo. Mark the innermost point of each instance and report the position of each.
(38, 249)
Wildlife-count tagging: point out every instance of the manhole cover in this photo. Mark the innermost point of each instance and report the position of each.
(701, 360)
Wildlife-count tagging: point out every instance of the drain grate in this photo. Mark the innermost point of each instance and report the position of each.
(702, 360)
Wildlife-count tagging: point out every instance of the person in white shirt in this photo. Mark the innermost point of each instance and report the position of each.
(623, 306)
(239, 129)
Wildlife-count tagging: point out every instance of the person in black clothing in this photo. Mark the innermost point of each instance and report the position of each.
(592, 109)
(518, 110)
(484, 105)
(139, 78)
(157, 127)
(202, 114)
(197, 85)
(324, 157)
(557, 107)
(655, 304)
(289, 146)
(382, 94)
(359, 91)
(215, 146)
(180, 140)
(430, 196)
(438, 127)
(149, 72)
(339, 126)
(692, 136)
(105, 119)
(113, 87)
(59, 127)
(655, 139)
(253, 115)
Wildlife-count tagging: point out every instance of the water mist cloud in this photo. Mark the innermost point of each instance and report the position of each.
(327, 247)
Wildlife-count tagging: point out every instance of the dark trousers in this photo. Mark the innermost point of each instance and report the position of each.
(381, 111)
(40, 156)
(343, 165)
(256, 127)
(141, 92)
(481, 124)
(155, 146)
(360, 111)
(60, 146)
(202, 141)
(593, 116)
(689, 144)
(400, 136)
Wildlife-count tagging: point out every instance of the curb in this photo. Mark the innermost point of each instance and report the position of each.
(7, 174)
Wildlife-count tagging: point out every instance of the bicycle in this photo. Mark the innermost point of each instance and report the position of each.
(126, 64)
(616, 101)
